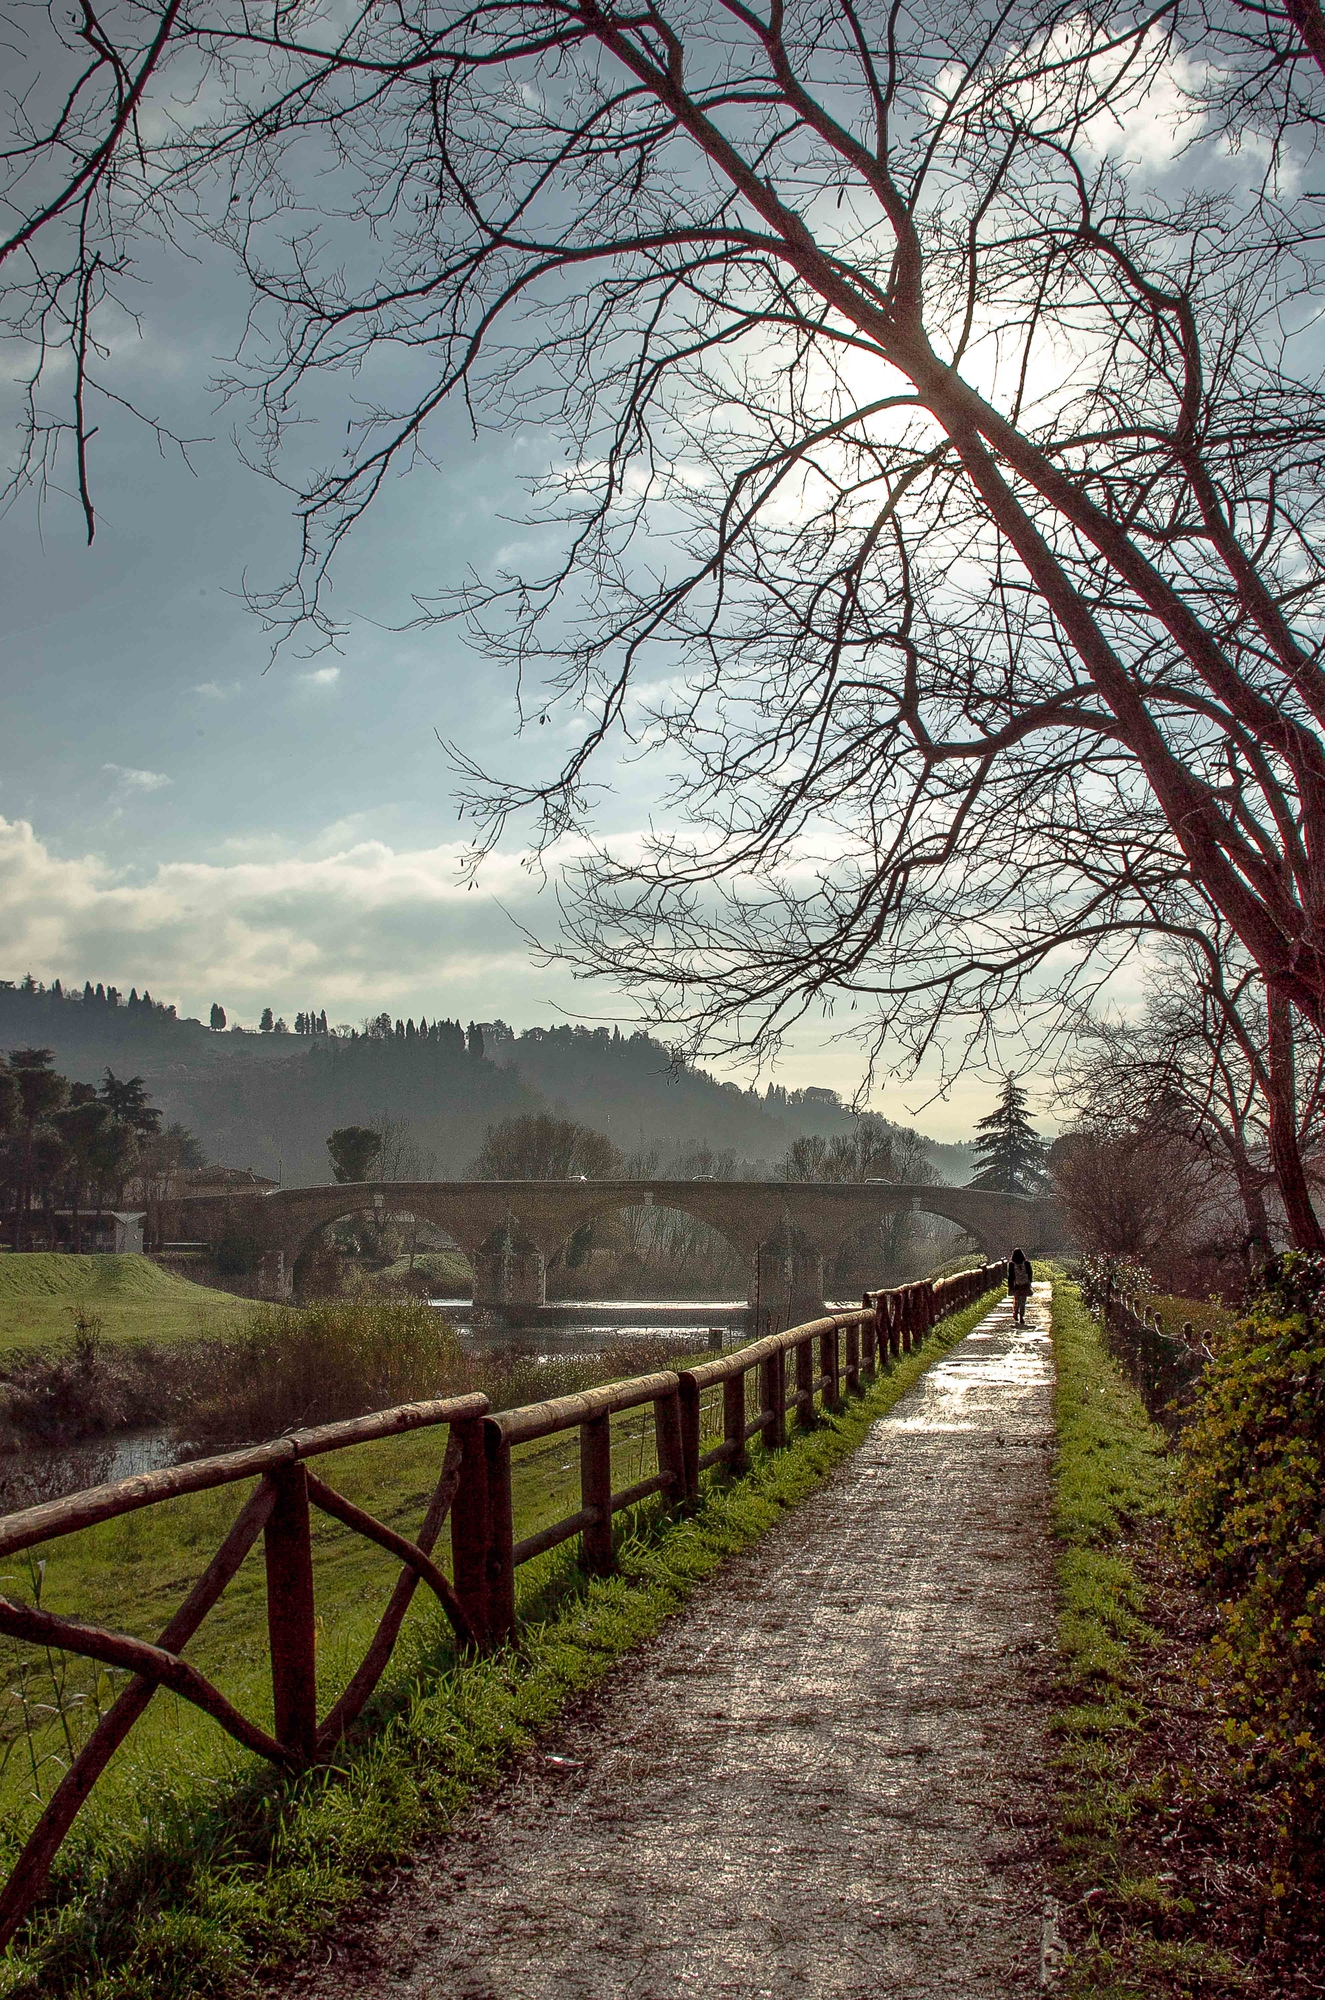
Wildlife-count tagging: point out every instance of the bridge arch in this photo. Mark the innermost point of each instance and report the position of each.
(545, 1214)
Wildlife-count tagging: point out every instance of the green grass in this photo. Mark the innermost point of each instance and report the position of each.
(1208, 1318)
(41, 1291)
(1113, 1482)
(193, 1866)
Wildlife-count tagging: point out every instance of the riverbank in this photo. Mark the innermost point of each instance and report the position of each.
(44, 1293)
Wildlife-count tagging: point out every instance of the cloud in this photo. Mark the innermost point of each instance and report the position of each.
(321, 677)
(127, 779)
(360, 927)
(213, 690)
(355, 930)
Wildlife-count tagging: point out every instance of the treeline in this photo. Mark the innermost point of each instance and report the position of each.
(266, 1099)
(67, 1148)
(103, 996)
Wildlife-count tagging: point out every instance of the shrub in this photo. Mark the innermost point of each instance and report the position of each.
(313, 1364)
(1102, 1273)
(1252, 1525)
(237, 1256)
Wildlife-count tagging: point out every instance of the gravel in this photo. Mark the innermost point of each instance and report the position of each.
(826, 1777)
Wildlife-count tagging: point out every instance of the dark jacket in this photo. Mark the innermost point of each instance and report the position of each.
(1020, 1275)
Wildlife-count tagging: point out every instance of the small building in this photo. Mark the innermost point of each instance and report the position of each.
(128, 1232)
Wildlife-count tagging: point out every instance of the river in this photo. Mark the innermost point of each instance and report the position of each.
(47, 1472)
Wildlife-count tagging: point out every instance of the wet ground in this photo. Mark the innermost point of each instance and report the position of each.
(826, 1776)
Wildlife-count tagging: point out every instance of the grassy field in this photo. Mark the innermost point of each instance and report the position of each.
(192, 1865)
(42, 1291)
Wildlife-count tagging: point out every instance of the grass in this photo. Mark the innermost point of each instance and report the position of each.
(1137, 1935)
(41, 1292)
(1207, 1317)
(1111, 1474)
(194, 1868)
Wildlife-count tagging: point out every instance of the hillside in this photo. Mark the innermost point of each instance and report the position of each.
(268, 1100)
(133, 1299)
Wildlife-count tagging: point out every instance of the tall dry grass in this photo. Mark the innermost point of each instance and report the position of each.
(343, 1357)
(314, 1364)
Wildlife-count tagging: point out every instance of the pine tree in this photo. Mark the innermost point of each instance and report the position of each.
(1010, 1150)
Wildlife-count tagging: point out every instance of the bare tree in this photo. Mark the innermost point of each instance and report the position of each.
(541, 1148)
(1209, 1061)
(873, 1150)
(1132, 1192)
(957, 479)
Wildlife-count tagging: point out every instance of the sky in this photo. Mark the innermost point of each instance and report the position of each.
(179, 813)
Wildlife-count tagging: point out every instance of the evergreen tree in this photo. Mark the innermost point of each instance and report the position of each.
(266, 1023)
(128, 1101)
(1010, 1150)
(218, 1016)
(354, 1150)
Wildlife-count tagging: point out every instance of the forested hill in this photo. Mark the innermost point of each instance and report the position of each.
(268, 1100)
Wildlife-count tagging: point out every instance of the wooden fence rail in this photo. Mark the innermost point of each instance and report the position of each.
(474, 1486)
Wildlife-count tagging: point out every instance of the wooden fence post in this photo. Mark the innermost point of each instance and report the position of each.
(772, 1400)
(853, 1361)
(290, 1616)
(689, 1416)
(828, 1367)
(869, 1335)
(733, 1421)
(471, 1529)
(499, 1567)
(596, 1492)
(804, 1383)
(671, 1452)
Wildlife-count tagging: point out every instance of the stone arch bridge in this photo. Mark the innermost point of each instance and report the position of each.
(510, 1230)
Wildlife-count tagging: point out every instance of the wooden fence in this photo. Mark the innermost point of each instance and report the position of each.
(690, 1407)
(1164, 1367)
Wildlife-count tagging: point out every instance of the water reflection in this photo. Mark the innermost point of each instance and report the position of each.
(45, 1472)
(692, 1328)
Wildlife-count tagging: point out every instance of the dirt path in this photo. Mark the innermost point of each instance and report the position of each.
(825, 1778)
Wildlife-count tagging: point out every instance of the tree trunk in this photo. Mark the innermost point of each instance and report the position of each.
(1285, 1153)
(1256, 1245)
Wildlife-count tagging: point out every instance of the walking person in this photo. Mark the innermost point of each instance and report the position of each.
(1020, 1279)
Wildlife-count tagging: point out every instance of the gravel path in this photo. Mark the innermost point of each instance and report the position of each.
(825, 1777)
